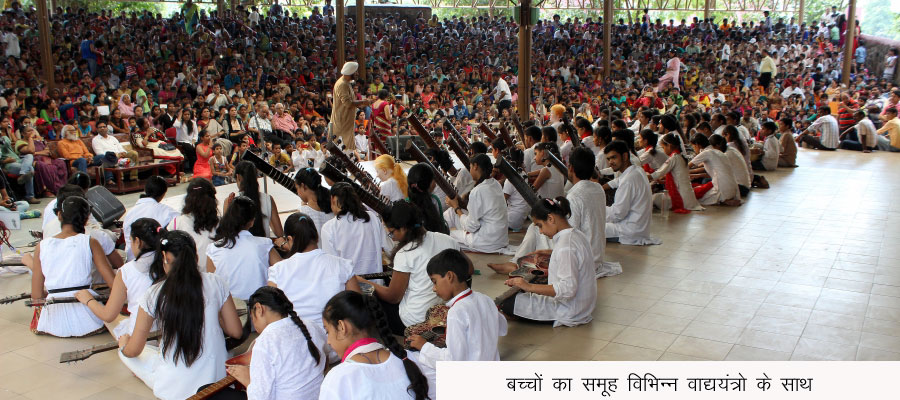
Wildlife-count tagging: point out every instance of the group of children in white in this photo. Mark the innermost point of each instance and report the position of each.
(303, 288)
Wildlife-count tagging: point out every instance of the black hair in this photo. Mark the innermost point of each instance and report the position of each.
(604, 133)
(651, 138)
(302, 228)
(278, 302)
(149, 231)
(450, 260)
(155, 188)
(718, 142)
(235, 220)
(249, 186)
(771, 126)
(700, 140)
(544, 207)
(65, 192)
(534, 132)
(582, 161)
(81, 179)
(483, 162)
(179, 306)
(548, 146)
(364, 313)
(549, 132)
(617, 146)
(732, 135)
(583, 123)
(349, 201)
(74, 210)
(625, 135)
(311, 179)
(419, 178)
(478, 148)
(498, 144)
(441, 157)
(673, 139)
(404, 214)
(200, 202)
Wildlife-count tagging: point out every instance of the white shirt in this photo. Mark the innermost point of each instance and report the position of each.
(572, 277)
(358, 381)
(202, 240)
(102, 145)
(677, 166)
(419, 295)
(632, 207)
(67, 263)
(528, 160)
(866, 127)
(717, 166)
(179, 381)
(260, 124)
(554, 186)
(487, 221)
(145, 208)
(181, 134)
(245, 265)
(309, 280)
(828, 127)
(136, 276)
(318, 218)
(585, 200)
(502, 90)
(655, 161)
(463, 181)
(282, 366)
(515, 203)
(359, 241)
(391, 190)
(738, 167)
(12, 44)
(772, 149)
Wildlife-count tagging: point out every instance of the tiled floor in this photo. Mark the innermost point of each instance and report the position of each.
(806, 270)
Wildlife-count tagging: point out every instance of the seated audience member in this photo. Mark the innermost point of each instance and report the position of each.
(861, 137)
(105, 143)
(788, 156)
(827, 128)
(713, 164)
(679, 196)
(771, 148)
(891, 128)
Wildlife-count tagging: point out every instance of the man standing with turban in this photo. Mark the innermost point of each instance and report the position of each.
(343, 111)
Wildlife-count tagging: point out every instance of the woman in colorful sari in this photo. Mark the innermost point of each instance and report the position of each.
(191, 16)
(382, 116)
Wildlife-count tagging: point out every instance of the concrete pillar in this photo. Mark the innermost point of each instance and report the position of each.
(341, 36)
(220, 9)
(607, 43)
(800, 12)
(361, 38)
(706, 8)
(849, 37)
(525, 25)
(44, 37)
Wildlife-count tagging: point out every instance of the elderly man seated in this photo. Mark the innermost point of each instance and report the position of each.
(73, 149)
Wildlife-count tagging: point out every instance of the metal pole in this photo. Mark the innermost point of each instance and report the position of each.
(341, 37)
(849, 37)
(524, 78)
(361, 38)
(44, 37)
(801, 12)
(607, 42)
(706, 9)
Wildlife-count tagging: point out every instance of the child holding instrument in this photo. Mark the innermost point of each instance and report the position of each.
(62, 266)
(132, 280)
(148, 206)
(287, 360)
(483, 225)
(393, 180)
(473, 322)
(569, 297)
(316, 199)
(373, 365)
(354, 233)
(194, 312)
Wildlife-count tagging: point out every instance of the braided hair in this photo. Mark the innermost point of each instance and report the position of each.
(75, 211)
(278, 302)
(364, 313)
(149, 231)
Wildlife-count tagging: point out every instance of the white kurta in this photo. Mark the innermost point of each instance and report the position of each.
(738, 167)
(179, 381)
(309, 280)
(484, 228)
(145, 208)
(677, 166)
(419, 295)
(629, 217)
(655, 161)
(717, 166)
(356, 240)
(67, 263)
(517, 208)
(572, 277)
(185, 223)
(772, 150)
(554, 186)
(245, 265)
(358, 381)
(319, 218)
(586, 199)
(463, 181)
(136, 276)
(282, 366)
(528, 160)
(391, 190)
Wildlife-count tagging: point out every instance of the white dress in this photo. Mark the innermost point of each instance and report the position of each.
(586, 199)
(554, 186)
(309, 280)
(484, 227)
(463, 181)
(319, 218)
(136, 276)
(419, 295)
(629, 217)
(359, 241)
(517, 208)
(677, 166)
(655, 161)
(391, 190)
(145, 208)
(67, 263)
(358, 381)
(738, 167)
(572, 277)
(282, 366)
(265, 205)
(245, 265)
(185, 223)
(717, 166)
(179, 381)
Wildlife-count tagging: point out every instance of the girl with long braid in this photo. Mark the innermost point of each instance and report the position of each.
(288, 361)
(373, 365)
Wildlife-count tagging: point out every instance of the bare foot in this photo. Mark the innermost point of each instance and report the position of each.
(732, 203)
(503, 268)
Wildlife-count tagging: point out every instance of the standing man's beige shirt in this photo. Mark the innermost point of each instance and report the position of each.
(343, 110)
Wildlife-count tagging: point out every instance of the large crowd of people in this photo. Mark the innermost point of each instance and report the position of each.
(685, 116)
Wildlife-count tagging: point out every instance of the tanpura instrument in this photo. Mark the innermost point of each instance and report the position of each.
(487, 131)
(519, 183)
(22, 296)
(60, 300)
(520, 130)
(365, 180)
(377, 143)
(557, 163)
(455, 147)
(533, 268)
(439, 177)
(228, 380)
(375, 201)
